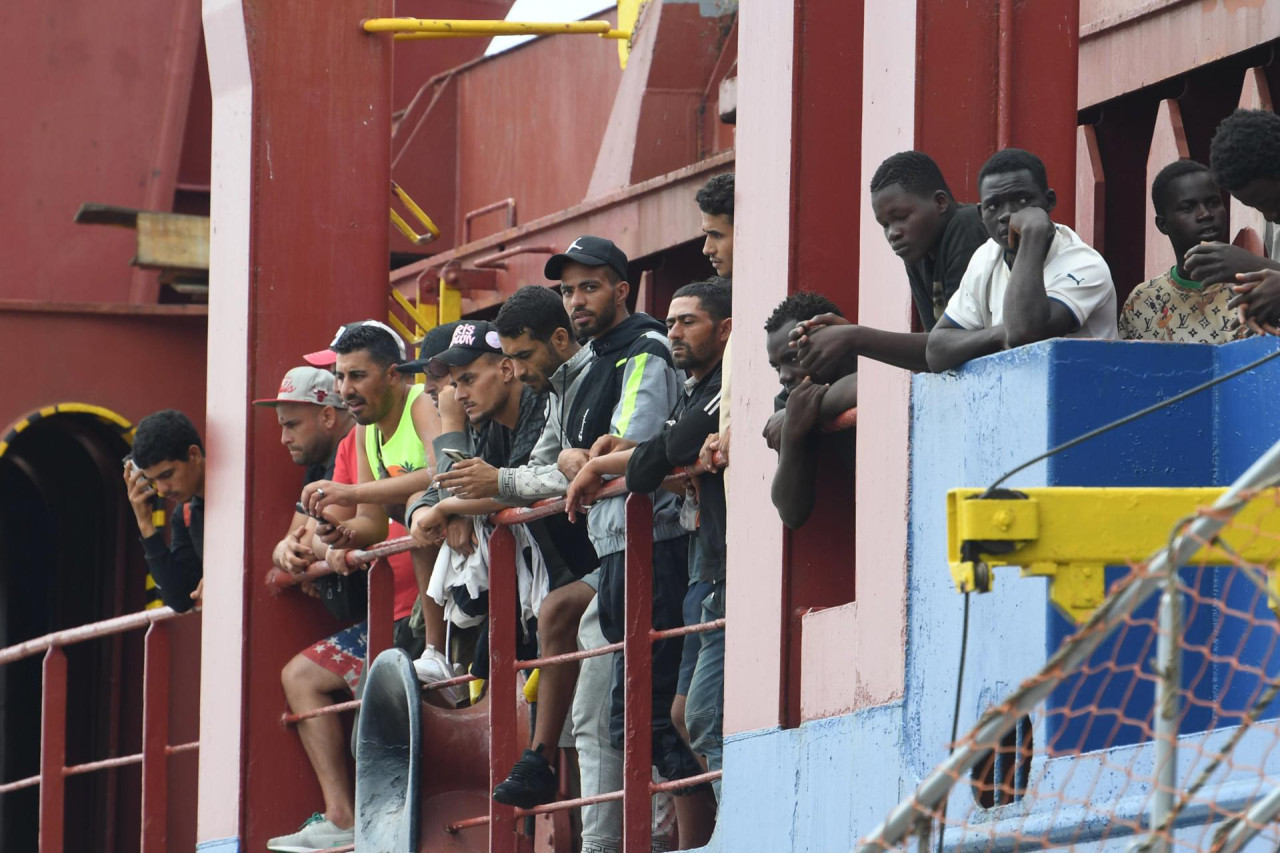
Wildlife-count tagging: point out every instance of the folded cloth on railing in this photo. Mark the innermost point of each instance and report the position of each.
(456, 570)
(471, 572)
(534, 580)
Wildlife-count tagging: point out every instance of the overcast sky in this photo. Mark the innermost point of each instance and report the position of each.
(545, 10)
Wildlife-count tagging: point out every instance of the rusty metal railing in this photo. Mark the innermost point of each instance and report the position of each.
(156, 749)
(638, 787)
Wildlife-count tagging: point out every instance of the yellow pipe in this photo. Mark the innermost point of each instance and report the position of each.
(394, 322)
(620, 35)
(414, 314)
(491, 28)
(398, 221)
(449, 303)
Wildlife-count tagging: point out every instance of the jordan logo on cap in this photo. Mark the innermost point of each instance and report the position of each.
(574, 245)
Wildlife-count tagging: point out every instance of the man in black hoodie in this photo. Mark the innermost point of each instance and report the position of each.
(698, 325)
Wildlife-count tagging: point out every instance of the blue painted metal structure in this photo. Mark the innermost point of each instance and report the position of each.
(820, 786)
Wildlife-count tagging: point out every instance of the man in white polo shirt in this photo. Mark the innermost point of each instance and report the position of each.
(1033, 280)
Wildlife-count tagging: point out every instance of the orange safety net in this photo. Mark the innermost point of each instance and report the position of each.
(1117, 741)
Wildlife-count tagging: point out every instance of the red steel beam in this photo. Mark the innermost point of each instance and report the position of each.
(53, 750)
(325, 711)
(637, 755)
(1004, 75)
(700, 628)
(570, 657)
(381, 608)
(19, 784)
(104, 764)
(688, 782)
(508, 203)
(92, 631)
(495, 261)
(503, 746)
(155, 740)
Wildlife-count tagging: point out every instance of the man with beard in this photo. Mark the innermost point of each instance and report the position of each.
(698, 325)
(395, 424)
(1033, 280)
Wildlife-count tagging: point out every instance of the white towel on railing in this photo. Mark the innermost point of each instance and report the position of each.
(453, 570)
(534, 579)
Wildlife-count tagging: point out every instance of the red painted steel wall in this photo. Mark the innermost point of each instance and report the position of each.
(529, 126)
(317, 223)
(99, 91)
(417, 61)
(827, 202)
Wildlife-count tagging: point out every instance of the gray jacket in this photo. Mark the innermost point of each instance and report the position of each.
(656, 386)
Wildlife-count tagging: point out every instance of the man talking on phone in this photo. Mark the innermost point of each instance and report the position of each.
(168, 462)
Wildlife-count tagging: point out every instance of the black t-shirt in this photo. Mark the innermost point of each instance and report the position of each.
(696, 415)
(934, 280)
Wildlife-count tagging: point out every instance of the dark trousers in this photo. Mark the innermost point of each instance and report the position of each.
(671, 756)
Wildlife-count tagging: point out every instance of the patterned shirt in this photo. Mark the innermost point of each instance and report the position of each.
(1172, 309)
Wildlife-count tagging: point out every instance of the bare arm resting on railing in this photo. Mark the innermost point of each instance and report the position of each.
(793, 483)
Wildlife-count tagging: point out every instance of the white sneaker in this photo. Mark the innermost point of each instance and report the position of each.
(433, 667)
(316, 833)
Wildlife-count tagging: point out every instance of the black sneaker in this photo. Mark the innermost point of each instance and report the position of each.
(532, 782)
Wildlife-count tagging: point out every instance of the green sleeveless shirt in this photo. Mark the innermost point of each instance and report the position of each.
(403, 452)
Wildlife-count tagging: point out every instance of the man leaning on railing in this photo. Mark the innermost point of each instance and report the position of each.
(698, 325)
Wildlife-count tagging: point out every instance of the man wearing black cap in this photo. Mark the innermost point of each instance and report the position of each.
(626, 392)
(434, 342)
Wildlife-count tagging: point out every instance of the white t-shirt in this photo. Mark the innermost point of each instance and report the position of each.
(1074, 274)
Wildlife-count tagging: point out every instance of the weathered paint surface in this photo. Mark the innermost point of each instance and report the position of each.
(275, 95)
(761, 247)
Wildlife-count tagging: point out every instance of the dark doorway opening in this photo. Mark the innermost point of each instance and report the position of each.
(70, 555)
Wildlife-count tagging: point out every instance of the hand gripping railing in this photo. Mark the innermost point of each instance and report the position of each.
(53, 726)
(638, 787)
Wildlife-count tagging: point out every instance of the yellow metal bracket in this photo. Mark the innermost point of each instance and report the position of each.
(415, 29)
(1070, 535)
(425, 28)
(404, 228)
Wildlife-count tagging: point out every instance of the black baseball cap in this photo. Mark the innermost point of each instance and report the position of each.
(589, 251)
(471, 339)
(434, 342)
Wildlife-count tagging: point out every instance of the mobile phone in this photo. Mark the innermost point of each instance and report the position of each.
(302, 509)
(456, 455)
(130, 465)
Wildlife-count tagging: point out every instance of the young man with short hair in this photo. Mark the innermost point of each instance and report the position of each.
(1245, 158)
(698, 324)
(168, 462)
(1178, 305)
(715, 200)
(626, 393)
(488, 414)
(1032, 281)
(808, 399)
(934, 235)
(390, 460)
(313, 424)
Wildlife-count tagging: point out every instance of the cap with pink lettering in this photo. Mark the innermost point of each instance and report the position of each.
(305, 385)
(471, 339)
